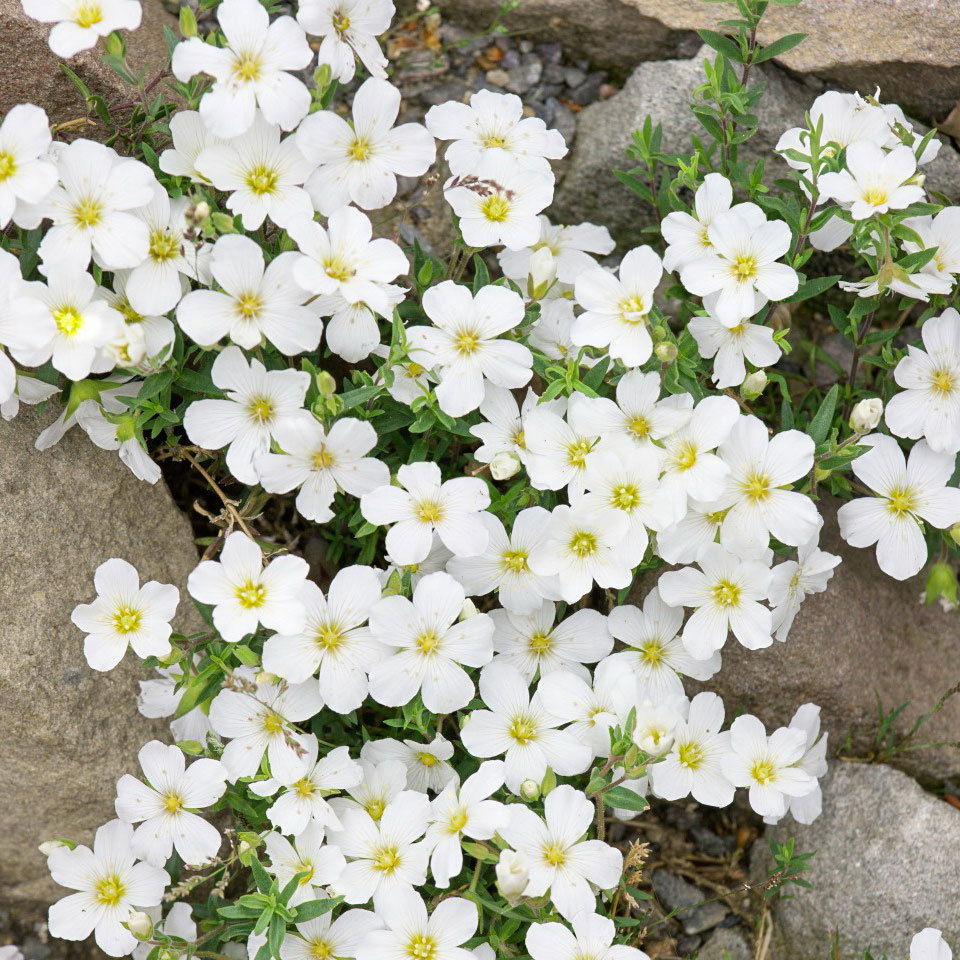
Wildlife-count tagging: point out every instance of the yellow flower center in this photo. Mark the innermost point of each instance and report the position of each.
(943, 382)
(427, 643)
(163, 246)
(583, 544)
(8, 166)
(272, 722)
(519, 439)
(577, 453)
(466, 343)
(260, 409)
(262, 180)
(109, 891)
(329, 637)
(494, 141)
(763, 772)
(458, 821)
(523, 730)
(359, 150)
(495, 208)
(901, 501)
(386, 859)
(127, 620)
(321, 949)
(685, 456)
(555, 855)
(429, 511)
(340, 21)
(540, 643)
(173, 803)
(691, 755)
(625, 497)
(323, 459)
(305, 866)
(515, 561)
(875, 196)
(87, 15)
(652, 653)
(337, 269)
(375, 808)
(756, 487)
(122, 305)
(68, 320)
(248, 305)
(630, 307)
(246, 68)
(744, 268)
(87, 213)
(427, 759)
(639, 426)
(422, 947)
(304, 788)
(251, 595)
(725, 594)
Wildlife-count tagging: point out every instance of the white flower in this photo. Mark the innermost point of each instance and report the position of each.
(410, 932)
(159, 697)
(493, 125)
(725, 595)
(352, 331)
(26, 173)
(245, 594)
(907, 493)
(866, 414)
(259, 723)
(333, 642)
(91, 209)
(250, 70)
(120, 436)
(380, 784)
(929, 404)
(639, 415)
(348, 27)
(125, 614)
(79, 24)
(360, 163)
(498, 203)
(655, 654)
(941, 232)
(569, 246)
(110, 886)
(303, 802)
(694, 765)
(767, 765)
(806, 808)
(502, 429)
(465, 345)
(464, 811)
(430, 646)
(530, 642)
(874, 181)
(424, 503)
(592, 936)
(590, 710)
(63, 320)
(616, 308)
(682, 542)
(308, 854)
(584, 546)
(263, 174)
(387, 855)
(344, 259)
(688, 235)
(505, 564)
(164, 805)
(145, 340)
(522, 728)
(655, 725)
(560, 862)
(929, 944)
(191, 137)
(27, 389)
(551, 333)
(731, 345)
(755, 497)
(794, 580)
(513, 875)
(259, 401)
(427, 764)
(742, 265)
(324, 936)
(258, 302)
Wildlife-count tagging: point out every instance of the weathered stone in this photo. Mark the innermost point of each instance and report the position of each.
(675, 894)
(886, 866)
(866, 637)
(728, 943)
(910, 48)
(662, 90)
(31, 73)
(66, 732)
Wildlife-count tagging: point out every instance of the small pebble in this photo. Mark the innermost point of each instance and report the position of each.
(573, 76)
(498, 77)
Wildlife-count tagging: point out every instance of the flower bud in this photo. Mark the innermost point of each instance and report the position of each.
(326, 384)
(513, 874)
(542, 273)
(754, 385)
(140, 925)
(504, 465)
(941, 585)
(468, 610)
(530, 790)
(264, 676)
(866, 415)
(50, 847)
(199, 211)
(666, 352)
(955, 533)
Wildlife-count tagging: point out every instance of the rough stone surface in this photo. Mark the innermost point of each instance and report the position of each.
(885, 867)
(66, 732)
(30, 73)
(675, 894)
(662, 90)
(728, 943)
(865, 636)
(910, 48)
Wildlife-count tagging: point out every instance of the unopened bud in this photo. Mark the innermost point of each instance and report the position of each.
(955, 533)
(513, 875)
(140, 925)
(530, 790)
(222, 222)
(504, 465)
(264, 676)
(468, 610)
(49, 847)
(542, 273)
(754, 385)
(326, 384)
(941, 585)
(666, 352)
(198, 212)
(866, 415)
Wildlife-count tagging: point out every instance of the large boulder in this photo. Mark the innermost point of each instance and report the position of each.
(909, 48)
(31, 73)
(662, 90)
(66, 732)
(885, 867)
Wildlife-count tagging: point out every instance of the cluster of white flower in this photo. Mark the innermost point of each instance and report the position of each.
(530, 689)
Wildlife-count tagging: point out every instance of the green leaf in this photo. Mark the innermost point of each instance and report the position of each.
(723, 45)
(779, 47)
(263, 879)
(625, 799)
(311, 909)
(278, 930)
(820, 424)
(812, 288)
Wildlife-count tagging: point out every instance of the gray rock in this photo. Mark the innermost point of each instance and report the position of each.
(66, 732)
(588, 91)
(675, 894)
(573, 77)
(886, 866)
(563, 120)
(728, 943)
(523, 76)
